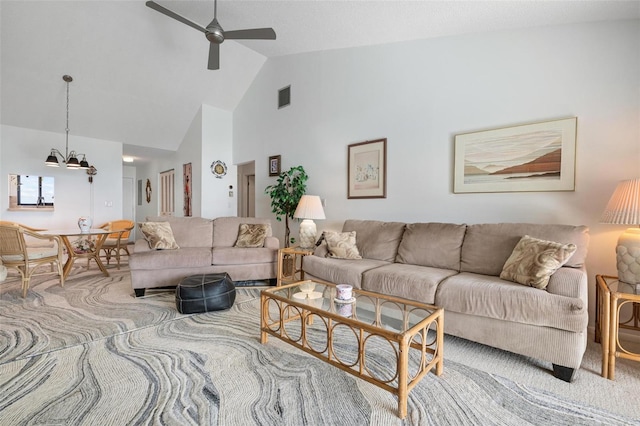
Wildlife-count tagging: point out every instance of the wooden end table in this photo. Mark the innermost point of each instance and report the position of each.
(290, 262)
(611, 296)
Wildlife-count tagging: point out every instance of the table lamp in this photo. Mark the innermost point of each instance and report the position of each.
(309, 208)
(624, 209)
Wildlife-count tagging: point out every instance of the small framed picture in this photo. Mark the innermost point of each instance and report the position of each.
(367, 169)
(274, 165)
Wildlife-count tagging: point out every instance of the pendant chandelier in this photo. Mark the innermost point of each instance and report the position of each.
(69, 158)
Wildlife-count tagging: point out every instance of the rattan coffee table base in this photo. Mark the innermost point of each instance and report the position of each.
(314, 325)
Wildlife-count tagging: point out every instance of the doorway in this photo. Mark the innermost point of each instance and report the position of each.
(167, 193)
(128, 201)
(247, 190)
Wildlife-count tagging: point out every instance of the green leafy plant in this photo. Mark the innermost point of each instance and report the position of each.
(285, 195)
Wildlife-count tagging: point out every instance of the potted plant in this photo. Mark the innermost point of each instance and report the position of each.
(285, 195)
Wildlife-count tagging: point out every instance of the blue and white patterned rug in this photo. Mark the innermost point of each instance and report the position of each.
(92, 354)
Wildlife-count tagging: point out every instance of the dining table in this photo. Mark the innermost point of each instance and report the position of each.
(89, 251)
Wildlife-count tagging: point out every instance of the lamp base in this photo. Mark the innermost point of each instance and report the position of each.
(308, 234)
(628, 256)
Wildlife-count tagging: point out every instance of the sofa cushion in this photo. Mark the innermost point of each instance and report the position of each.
(487, 247)
(185, 257)
(492, 297)
(341, 245)
(189, 231)
(339, 271)
(158, 235)
(252, 235)
(225, 229)
(533, 261)
(242, 255)
(432, 244)
(375, 239)
(409, 281)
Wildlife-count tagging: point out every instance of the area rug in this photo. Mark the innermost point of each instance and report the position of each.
(90, 353)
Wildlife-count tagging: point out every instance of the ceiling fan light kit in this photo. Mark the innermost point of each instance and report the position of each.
(214, 32)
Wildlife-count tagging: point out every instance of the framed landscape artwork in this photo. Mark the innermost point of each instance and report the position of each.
(367, 169)
(528, 157)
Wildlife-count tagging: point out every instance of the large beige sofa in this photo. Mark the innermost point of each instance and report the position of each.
(206, 246)
(457, 267)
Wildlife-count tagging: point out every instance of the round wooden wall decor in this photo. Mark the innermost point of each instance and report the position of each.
(219, 169)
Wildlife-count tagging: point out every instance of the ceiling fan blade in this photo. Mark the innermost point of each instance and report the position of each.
(214, 56)
(155, 6)
(252, 34)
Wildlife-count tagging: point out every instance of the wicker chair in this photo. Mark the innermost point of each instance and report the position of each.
(15, 253)
(116, 243)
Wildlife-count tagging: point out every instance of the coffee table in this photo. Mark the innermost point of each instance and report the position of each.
(385, 340)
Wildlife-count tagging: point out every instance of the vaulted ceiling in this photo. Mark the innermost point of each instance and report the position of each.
(140, 77)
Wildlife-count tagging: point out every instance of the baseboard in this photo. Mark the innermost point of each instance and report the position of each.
(625, 335)
(256, 283)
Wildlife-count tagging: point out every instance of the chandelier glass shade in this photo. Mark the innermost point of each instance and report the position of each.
(70, 158)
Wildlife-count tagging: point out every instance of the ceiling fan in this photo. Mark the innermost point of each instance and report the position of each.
(215, 34)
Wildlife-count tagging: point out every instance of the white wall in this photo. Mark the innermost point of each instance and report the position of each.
(209, 138)
(217, 142)
(24, 152)
(190, 151)
(421, 94)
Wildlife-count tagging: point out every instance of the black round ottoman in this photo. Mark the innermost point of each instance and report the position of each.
(205, 293)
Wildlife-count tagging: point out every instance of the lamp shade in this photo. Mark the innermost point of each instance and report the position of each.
(624, 206)
(52, 160)
(309, 207)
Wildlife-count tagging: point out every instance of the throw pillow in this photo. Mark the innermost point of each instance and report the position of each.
(533, 261)
(159, 235)
(252, 235)
(342, 245)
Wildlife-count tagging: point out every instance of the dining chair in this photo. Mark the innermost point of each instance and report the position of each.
(16, 254)
(31, 242)
(116, 243)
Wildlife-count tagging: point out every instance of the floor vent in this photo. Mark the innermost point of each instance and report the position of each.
(284, 97)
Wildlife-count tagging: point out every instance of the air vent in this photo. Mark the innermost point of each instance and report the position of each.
(284, 97)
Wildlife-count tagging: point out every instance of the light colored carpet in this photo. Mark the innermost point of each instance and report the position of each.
(91, 353)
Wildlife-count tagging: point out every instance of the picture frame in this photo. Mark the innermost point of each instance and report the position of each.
(367, 169)
(274, 165)
(524, 158)
(187, 180)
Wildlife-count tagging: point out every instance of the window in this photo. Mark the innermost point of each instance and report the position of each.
(35, 191)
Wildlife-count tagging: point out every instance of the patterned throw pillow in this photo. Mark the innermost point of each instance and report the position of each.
(342, 245)
(252, 235)
(533, 261)
(159, 235)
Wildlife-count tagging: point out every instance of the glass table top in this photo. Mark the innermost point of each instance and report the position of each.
(617, 286)
(387, 312)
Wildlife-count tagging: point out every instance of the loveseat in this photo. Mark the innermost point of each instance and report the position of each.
(202, 246)
(458, 268)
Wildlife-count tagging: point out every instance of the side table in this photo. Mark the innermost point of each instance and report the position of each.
(611, 296)
(290, 262)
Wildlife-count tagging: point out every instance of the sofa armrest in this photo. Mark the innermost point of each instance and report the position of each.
(140, 246)
(570, 282)
(272, 243)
